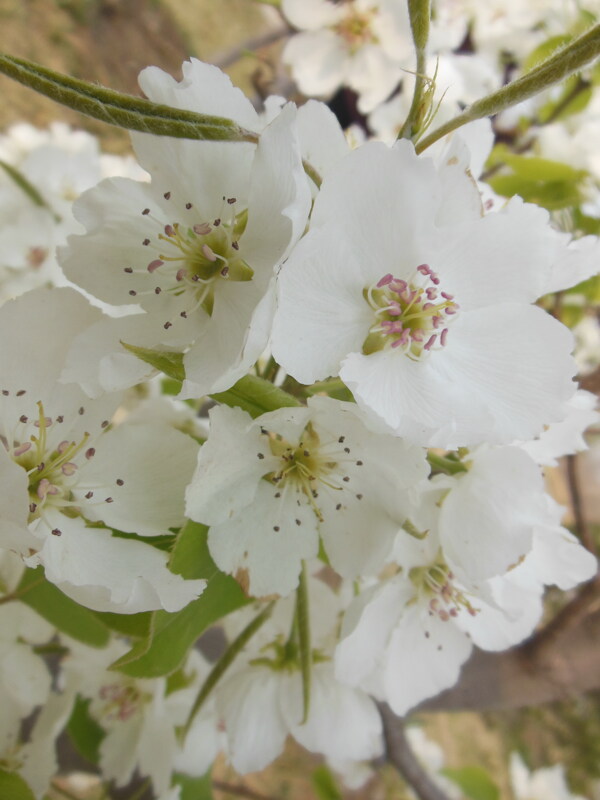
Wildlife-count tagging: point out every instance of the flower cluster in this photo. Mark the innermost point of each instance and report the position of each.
(351, 479)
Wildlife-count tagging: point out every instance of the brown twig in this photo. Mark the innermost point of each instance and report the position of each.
(250, 45)
(586, 602)
(581, 526)
(400, 755)
(240, 791)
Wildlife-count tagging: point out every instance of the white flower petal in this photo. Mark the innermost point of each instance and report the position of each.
(108, 573)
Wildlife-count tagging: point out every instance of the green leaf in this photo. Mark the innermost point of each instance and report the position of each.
(126, 111)
(194, 788)
(163, 360)
(550, 184)
(171, 636)
(190, 556)
(574, 97)
(65, 614)
(474, 782)
(324, 784)
(13, 787)
(136, 626)
(543, 169)
(545, 50)
(332, 387)
(256, 396)
(85, 732)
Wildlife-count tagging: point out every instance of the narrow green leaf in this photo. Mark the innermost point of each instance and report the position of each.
(116, 108)
(85, 732)
(256, 396)
(474, 782)
(194, 788)
(163, 360)
(65, 614)
(304, 644)
(226, 660)
(28, 188)
(13, 787)
(324, 784)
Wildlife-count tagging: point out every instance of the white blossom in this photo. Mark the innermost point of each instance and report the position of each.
(64, 471)
(270, 487)
(422, 306)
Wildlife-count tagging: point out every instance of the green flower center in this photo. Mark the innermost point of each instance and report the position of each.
(410, 316)
(193, 258)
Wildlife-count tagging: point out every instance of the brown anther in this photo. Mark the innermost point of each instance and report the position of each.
(23, 418)
(108, 500)
(132, 292)
(105, 423)
(359, 463)
(128, 270)
(157, 290)
(145, 212)
(188, 206)
(183, 314)
(56, 532)
(60, 418)
(146, 242)
(167, 325)
(89, 495)
(341, 439)
(217, 222)
(345, 479)
(21, 392)
(90, 452)
(260, 455)
(231, 200)
(276, 528)
(81, 410)
(235, 245)
(298, 522)
(167, 195)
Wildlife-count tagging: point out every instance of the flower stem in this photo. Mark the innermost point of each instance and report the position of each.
(419, 12)
(302, 616)
(225, 662)
(554, 69)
